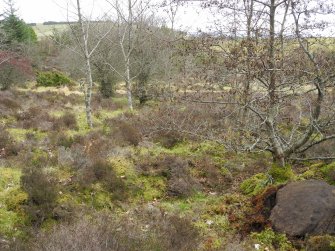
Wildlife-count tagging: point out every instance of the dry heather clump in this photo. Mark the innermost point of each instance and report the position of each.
(124, 131)
(66, 121)
(34, 118)
(42, 194)
(102, 171)
(172, 123)
(8, 147)
(123, 233)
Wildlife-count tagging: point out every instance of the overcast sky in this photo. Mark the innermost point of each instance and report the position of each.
(190, 18)
(39, 11)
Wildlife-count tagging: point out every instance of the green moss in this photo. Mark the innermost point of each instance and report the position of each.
(145, 188)
(11, 197)
(281, 174)
(19, 134)
(107, 114)
(255, 184)
(9, 177)
(121, 101)
(328, 173)
(15, 198)
(48, 224)
(81, 120)
(39, 157)
(56, 113)
(67, 198)
(210, 147)
(95, 196)
(181, 149)
(320, 171)
(150, 187)
(9, 220)
(269, 238)
(8, 120)
(123, 167)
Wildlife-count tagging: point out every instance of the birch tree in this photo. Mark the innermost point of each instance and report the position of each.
(130, 23)
(288, 74)
(86, 51)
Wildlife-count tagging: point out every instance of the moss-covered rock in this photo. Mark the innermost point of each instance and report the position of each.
(255, 184)
(328, 172)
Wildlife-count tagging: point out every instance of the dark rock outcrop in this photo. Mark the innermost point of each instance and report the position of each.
(305, 207)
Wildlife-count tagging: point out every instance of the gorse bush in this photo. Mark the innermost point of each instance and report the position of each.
(52, 79)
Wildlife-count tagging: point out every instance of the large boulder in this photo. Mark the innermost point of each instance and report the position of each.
(305, 207)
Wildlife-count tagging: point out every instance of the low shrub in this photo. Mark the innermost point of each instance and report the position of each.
(321, 243)
(33, 118)
(180, 183)
(168, 139)
(61, 139)
(66, 121)
(102, 171)
(8, 147)
(211, 175)
(14, 69)
(52, 79)
(42, 193)
(75, 156)
(10, 103)
(124, 131)
(135, 231)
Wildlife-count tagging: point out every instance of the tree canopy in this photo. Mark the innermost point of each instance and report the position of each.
(16, 30)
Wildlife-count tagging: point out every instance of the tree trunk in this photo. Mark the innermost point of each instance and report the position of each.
(89, 80)
(278, 151)
(129, 85)
(88, 94)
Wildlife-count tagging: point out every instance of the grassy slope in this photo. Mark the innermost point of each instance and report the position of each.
(42, 30)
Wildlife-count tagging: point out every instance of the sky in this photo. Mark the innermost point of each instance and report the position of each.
(191, 18)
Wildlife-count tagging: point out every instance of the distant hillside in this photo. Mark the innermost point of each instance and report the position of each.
(47, 28)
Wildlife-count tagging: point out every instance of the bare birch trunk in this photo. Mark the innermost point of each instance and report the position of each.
(129, 85)
(89, 80)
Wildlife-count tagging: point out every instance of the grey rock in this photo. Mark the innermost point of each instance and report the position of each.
(305, 207)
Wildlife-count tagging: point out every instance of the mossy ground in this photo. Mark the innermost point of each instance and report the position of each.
(217, 212)
(11, 200)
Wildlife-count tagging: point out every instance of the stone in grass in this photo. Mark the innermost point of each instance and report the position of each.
(305, 207)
